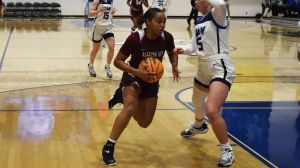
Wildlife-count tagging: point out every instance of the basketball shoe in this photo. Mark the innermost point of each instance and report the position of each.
(226, 157)
(108, 154)
(116, 98)
(91, 70)
(108, 71)
(192, 130)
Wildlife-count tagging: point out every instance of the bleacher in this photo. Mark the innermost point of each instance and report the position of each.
(286, 13)
(289, 8)
(32, 10)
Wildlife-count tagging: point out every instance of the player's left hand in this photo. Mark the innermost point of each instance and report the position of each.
(176, 73)
(114, 11)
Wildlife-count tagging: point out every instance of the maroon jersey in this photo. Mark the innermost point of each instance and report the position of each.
(139, 47)
(137, 4)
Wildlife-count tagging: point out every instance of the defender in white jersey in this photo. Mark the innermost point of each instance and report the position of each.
(214, 76)
(103, 11)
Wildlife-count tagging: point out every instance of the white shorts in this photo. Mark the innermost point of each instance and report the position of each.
(99, 30)
(215, 70)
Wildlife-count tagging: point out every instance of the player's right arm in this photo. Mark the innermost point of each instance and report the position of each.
(191, 46)
(94, 11)
(219, 12)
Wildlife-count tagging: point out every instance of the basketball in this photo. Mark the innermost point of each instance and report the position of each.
(152, 65)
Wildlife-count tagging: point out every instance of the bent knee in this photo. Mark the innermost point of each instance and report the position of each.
(212, 112)
(144, 124)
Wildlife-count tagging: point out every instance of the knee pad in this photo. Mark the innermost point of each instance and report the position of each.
(199, 101)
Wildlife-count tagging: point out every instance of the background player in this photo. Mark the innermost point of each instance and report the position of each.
(103, 11)
(136, 12)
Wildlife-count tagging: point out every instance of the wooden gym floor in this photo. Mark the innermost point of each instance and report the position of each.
(52, 114)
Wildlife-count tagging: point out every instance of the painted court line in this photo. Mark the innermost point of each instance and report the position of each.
(5, 48)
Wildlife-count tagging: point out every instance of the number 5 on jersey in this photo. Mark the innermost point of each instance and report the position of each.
(199, 32)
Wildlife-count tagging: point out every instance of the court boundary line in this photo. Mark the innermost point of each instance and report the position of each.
(103, 80)
(6, 46)
(82, 110)
(233, 138)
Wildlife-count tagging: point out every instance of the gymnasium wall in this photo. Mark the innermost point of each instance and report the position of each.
(242, 8)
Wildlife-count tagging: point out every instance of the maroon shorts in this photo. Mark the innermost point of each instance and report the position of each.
(148, 90)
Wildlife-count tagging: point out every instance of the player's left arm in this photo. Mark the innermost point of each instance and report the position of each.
(173, 57)
(219, 11)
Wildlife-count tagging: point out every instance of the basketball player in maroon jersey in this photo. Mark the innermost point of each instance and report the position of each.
(136, 12)
(140, 97)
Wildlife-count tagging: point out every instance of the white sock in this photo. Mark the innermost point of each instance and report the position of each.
(198, 124)
(226, 146)
(111, 140)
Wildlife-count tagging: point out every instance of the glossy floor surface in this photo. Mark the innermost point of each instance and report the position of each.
(52, 114)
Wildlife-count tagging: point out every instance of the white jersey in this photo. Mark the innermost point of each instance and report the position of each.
(103, 21)
(209, 37)
(105, 18)
(210, 43)
(160, 4)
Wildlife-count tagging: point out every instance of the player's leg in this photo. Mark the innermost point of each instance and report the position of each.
(96, 47)
(134, 20)
(145, 113)
(263, 7)
(147, 104)
(116, 98)
(218, 92)
(111, 45)
(140, 22)
(228, 10)
(199, 126)
(130, 105)
(269, 9)
(96, 38)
